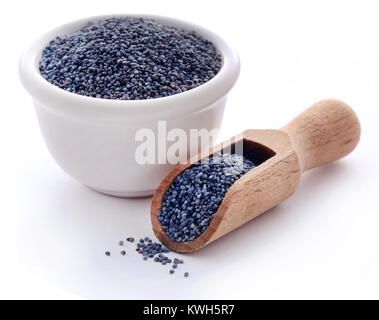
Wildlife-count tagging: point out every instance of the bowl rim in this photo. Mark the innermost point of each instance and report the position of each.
(58, 99)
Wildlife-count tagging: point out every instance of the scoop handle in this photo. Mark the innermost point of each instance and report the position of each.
(325, 132)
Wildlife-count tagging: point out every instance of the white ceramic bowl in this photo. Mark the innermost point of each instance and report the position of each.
(93, 139)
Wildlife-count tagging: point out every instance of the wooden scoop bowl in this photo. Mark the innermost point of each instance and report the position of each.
(325, 132)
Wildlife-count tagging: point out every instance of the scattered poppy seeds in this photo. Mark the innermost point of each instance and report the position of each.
(153, 250)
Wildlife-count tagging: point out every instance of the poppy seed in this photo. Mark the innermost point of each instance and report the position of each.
(193, 198)
(129, 59)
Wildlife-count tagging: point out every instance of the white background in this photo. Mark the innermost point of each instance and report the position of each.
(321, 243)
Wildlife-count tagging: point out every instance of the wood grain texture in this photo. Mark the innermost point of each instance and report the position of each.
(325, 132)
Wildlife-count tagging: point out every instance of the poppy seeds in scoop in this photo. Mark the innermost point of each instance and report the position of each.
(192, 200)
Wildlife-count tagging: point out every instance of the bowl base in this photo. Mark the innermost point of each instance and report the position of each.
(122, 194)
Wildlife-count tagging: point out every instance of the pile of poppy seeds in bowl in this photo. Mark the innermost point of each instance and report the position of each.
(192, 200)
(129, 59)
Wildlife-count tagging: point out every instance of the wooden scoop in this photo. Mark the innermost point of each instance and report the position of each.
(325, 132)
